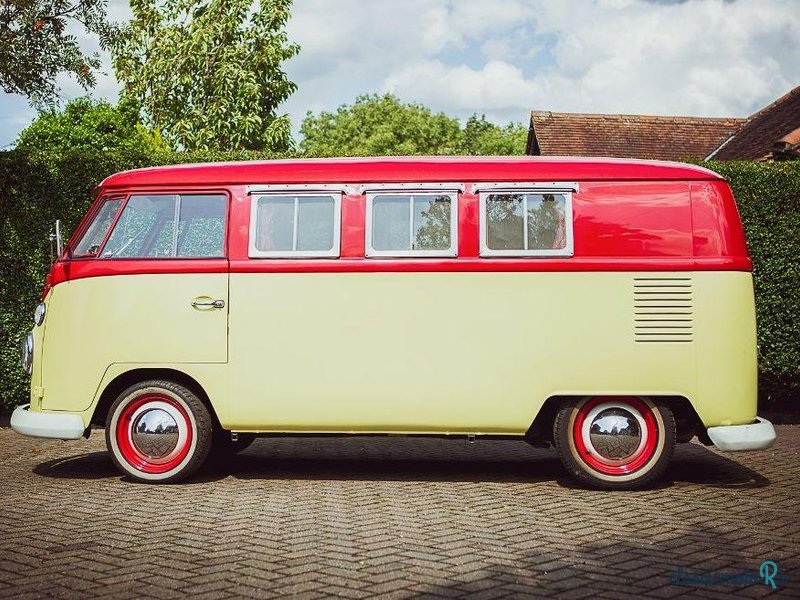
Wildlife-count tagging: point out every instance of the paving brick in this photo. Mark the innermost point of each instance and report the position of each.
(389, 517)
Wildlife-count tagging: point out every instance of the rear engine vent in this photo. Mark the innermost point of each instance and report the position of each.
(663, 309)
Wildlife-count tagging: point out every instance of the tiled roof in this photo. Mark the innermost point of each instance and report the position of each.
(765, 131)
(627, 136)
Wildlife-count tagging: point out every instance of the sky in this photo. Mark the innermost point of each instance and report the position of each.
(504, 58)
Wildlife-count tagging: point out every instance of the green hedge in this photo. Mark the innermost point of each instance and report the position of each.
(768, 196)
(37, 188)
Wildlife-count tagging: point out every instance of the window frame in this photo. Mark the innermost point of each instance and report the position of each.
(451, 191)
(127, 195)
(559, 188)
(297, 192)
(84, 227)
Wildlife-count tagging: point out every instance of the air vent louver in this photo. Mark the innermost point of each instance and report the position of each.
(663, 310)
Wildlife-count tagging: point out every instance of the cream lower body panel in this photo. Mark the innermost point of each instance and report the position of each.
(470, 352)
(146, 321)
(408, 352)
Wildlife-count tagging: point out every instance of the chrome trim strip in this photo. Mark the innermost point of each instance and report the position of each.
(272, 188)
(419, 186)
(532, 186)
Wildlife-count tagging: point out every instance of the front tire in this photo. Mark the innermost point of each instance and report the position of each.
(158, 431)
(615, 442)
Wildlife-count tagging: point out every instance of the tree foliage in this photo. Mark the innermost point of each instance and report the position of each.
(379, 126)
(207, 74)
(483, 138)
(36, 45)
(86, 125)
(383, 126)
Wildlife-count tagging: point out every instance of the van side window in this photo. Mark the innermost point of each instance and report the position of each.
(412, 224)
(92, 239)
(295, 225)
(526, 224)
(147, 227)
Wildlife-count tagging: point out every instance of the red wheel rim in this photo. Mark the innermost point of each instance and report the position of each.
(629, 464)
(127, 421)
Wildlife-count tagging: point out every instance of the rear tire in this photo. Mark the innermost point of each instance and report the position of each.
(615, 442)
(158, 431)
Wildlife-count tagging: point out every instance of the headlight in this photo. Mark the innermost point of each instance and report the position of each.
(38, 314)
(26, 353)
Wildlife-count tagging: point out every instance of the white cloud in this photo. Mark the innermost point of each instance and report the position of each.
(349, 47)
(696, 57)
(709, 58)
(499, 89)
(506, 57)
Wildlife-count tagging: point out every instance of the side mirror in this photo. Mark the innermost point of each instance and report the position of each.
(59, 239)
(56, 239)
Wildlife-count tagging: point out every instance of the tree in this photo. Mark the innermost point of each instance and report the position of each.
(379, 126)
(35, 45)
(482, 138)
(86, 125)
(207, 74)
(383, 126)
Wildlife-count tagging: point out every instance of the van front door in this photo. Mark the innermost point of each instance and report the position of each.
(154, 293)
(185, 299)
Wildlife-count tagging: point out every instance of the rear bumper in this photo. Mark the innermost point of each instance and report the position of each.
(60, 426)
(732, 438)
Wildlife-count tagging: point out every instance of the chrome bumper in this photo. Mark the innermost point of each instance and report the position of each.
(60, 426)
(732, 438)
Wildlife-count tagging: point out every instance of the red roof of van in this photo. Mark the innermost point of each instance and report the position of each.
(411, 169)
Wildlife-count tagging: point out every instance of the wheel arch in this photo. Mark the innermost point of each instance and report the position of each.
(124, 380)
(687, 421)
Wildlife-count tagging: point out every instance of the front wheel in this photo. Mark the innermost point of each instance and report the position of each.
(158, 431)
(615, 442)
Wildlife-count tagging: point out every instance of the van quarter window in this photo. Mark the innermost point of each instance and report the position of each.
(522, 223)
(295, 225)
(96, 232)
(416, 224)
(147, 227)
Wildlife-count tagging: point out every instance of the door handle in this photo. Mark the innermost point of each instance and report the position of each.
(208, 303)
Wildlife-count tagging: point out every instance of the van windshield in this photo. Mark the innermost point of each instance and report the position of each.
(92, 239)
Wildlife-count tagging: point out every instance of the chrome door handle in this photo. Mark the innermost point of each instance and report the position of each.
(208, 303)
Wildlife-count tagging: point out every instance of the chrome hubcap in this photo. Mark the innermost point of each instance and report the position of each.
(615, 433)
(155, 433)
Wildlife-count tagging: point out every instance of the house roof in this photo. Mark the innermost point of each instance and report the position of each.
(627, 136)
(773, 128)
(419, 169)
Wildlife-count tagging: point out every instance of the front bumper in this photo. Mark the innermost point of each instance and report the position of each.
(60, 426)
(732, 438)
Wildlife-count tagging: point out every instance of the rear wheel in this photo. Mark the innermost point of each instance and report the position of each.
(158, 431)
(615, 442)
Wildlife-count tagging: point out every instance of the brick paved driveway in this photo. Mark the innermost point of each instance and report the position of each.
(396, 516)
